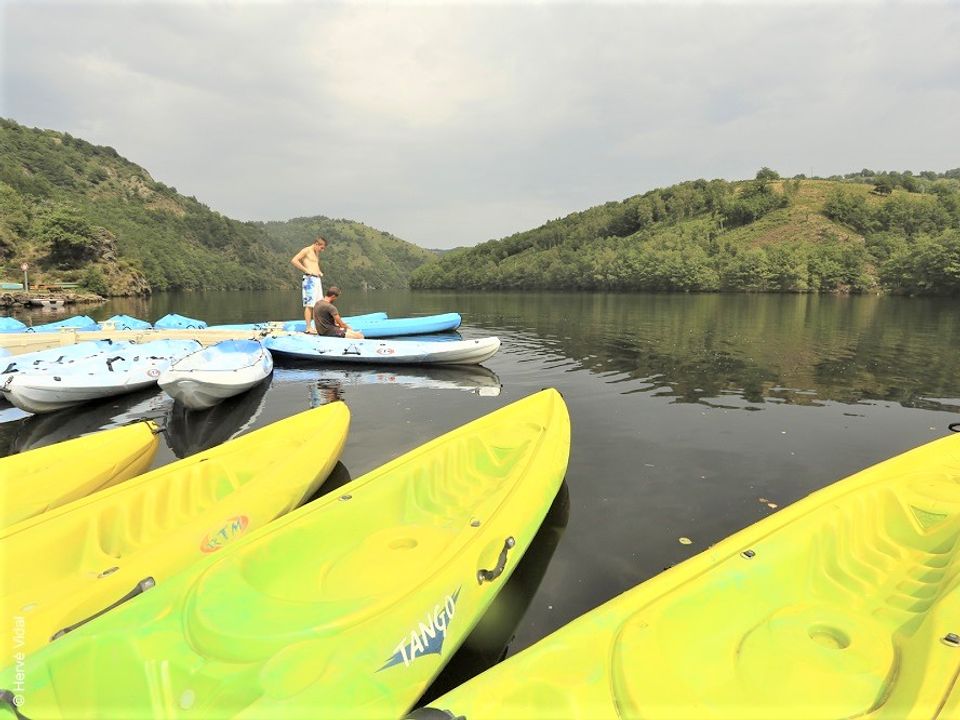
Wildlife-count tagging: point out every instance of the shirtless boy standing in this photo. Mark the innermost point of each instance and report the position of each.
(307, 261)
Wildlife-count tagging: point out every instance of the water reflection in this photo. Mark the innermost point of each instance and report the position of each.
(40, 430)
(192, 431)
(490, 640)
(327, 383)
(797, 350)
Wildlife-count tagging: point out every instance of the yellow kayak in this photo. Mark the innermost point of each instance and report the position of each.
(346, 608)
(102, 550)
(843, 605)
(39, 480)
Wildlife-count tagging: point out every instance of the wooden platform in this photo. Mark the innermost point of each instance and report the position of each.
(18, 343)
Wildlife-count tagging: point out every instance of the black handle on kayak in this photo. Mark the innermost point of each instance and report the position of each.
(140, 588)
(110, 362)
(490, 575)
(10, 700)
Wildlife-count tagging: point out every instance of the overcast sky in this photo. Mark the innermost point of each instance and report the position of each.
(452, 123)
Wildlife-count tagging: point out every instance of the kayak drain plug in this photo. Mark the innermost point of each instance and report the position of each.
(951, 639)
(748, 554)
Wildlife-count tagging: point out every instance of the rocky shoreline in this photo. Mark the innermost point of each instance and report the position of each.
(23, 299)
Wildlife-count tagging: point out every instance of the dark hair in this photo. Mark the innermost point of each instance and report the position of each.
(333, 291)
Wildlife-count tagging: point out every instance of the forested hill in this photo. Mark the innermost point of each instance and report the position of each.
(867, 231)
(79, 212)
(357, 256)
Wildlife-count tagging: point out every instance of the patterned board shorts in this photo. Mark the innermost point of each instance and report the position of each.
(312, 290)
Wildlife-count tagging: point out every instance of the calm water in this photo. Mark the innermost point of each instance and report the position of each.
(691, 415)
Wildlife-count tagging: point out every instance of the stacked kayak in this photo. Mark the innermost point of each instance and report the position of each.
(204, 378)
(311, 347)
(36, 481)
(11, 325)
(126, 322)
(114, 373)
(346, 608)
(179, 322)
(104, 549)
(78, 322)
(42, 359)
(843, 605)
(377, 327)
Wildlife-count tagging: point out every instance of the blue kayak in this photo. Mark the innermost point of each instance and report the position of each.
(395, 327)
(78, 322)
(126, 322)
(9, 324)
(57, 356)
(179, 322)
(294, 325)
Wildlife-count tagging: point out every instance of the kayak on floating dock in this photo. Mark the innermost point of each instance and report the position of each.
(81, 323)
(9, 324)
(42, 359)
(204, 378)
(346, 608)
(383, 352)
(40, 480)
(179, 322)
(842, 605)
(104, 375)
(118, 543)
(126, 322)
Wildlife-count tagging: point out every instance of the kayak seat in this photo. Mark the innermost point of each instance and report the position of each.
(835, 617)
(315, 579)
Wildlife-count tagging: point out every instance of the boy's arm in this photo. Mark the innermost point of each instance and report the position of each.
(340, 322)
(296, 261)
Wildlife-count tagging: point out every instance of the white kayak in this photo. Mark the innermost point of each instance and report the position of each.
(387, 352)
(208, 376)
(112, 373)
(41, 359)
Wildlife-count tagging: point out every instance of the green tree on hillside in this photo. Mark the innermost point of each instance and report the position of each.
(68, 236)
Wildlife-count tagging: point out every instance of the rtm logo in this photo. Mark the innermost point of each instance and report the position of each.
(230, 530)
(428, 636)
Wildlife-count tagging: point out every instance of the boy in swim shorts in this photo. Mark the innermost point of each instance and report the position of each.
(307, 261)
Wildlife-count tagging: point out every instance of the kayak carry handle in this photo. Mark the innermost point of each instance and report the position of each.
(110, 362)
(140, 588)
(490, 575)
(13, 702)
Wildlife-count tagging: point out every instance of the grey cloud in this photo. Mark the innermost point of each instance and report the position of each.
(453, 124)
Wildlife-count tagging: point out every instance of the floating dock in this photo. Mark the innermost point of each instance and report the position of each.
(25, 342)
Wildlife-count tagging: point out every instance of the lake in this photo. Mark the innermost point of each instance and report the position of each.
(693, 416)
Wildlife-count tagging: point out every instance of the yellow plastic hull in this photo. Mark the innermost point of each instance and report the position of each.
(839, 606)
(39, 480)
(124, 540)
(346, 608)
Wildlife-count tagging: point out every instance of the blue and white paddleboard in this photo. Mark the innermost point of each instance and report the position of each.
(103, 375)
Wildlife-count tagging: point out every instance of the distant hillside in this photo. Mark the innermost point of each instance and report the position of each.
(864, 232)
(356, 255)
(82, 213)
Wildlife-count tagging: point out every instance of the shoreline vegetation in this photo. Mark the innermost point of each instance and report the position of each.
(866, 232)
(80, 213)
